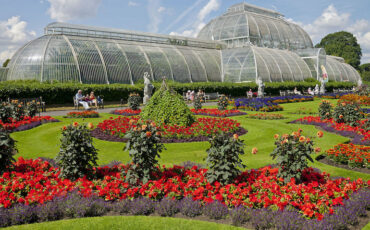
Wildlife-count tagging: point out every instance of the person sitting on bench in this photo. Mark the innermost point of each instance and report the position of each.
(81, 99)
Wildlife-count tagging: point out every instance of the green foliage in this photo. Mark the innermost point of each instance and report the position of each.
(6, 112)
(342, 44)
(18, 111)
(77, 155)
(6, 62)
(365, 71)
(198, 102)
(62, 93)
(223, 158)
(222, 102)
(31, 109)
(347, 112)
(311, 79)
(291, 154)
(325, 110)
(167, 107)
(7, 150)
(144, 146)
(134, 101)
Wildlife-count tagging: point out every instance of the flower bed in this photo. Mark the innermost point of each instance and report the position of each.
(266, 116)
(257, 104)
(37, 182)
(217, 112)
(126, 112)
(83, 114)
(290, 99)
(26, 123)
(363, 100)
(359, 134)
(116, 129)
(355, 156)
(332, 95)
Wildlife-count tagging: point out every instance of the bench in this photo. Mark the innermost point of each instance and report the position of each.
(211, 96)
(99, 99)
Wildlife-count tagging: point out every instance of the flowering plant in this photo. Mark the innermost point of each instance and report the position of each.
(198, 102)
(14, 125)
(127, 112)
(355, 156)
(291, 153)
(144, 146)
(7, 150)
(348, 112)
(223, 158)
(325, 109)
(217, 112)
(83, 114)
(134, 101)
(257, 104)
(222, 102)
(359, 99)
(77, 155)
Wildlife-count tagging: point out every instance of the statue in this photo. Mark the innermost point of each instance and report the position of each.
(322, 87)
(324, 79)
(148, 88)
(261, 87)
(359, 82)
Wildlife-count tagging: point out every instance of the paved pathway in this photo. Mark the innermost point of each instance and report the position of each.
(106, 110)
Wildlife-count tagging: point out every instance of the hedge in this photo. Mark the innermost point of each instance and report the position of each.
(62, 93)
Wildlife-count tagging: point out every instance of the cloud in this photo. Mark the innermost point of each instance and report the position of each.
(13, 34)
(66, 10)
(155, 12)
(161, 9)
(199, 23)
(131, 3)
(331, 20)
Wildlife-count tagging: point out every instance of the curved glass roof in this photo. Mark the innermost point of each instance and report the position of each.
(339, 71)
(98, 60)
(272, 65)
(245, 24)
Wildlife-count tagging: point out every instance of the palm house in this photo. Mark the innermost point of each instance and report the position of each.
(245, 43)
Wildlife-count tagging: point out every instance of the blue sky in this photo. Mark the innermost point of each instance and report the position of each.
(24, 20)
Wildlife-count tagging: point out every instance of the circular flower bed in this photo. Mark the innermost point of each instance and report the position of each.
(266, 116)
(37, 182)
(83, 114)
(26, 123)
(355, 156)
(360, 134)
(126, 112)
(217, 112)
(115, 129)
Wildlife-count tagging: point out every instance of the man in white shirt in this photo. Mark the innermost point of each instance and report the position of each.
(80, 98)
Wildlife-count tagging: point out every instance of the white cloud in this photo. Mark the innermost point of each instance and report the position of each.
(199, 23)
(66, 10)
(161, 9)
(155, 11)
(331, 20)
(131, 3)
(13, 34)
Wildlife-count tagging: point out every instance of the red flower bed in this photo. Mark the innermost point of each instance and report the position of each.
(36, 181)
(217, 113)
(341, 127)
(127, 112)
(203, 127)
(26, 123)
(83, 114)
(351, 155)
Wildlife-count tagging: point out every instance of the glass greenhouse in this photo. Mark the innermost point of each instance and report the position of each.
(243, 44)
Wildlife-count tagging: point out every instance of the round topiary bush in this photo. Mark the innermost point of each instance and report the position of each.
(167, 107)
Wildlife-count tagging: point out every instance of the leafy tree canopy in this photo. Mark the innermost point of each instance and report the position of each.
(365, 71)
(6, 62)
(342, 44)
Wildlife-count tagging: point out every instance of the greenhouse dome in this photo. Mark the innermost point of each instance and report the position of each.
(245, 43)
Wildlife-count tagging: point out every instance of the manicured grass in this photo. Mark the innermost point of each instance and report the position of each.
(44, 141)
(127, 222)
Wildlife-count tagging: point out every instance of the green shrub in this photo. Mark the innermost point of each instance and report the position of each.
(144, 146)
(197, 103)
(7, 150)
(325, 110)
(311, 79)
(134, 101)
(291, 153)
(167, 107)
(77, 155)
(6, 112)
(222, 102)
(223, 158)
(31, 109)
(347, 112)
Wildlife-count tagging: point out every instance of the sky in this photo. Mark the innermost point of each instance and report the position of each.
(24, 20)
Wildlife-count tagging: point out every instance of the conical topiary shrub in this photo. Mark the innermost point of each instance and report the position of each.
(167, 107)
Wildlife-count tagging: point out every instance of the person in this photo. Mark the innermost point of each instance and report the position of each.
(200, 94)
(296, 91)
(82, 100)
(250, 93)
(316, 90)
(188, 95)
(310, 92)
(192, 94)
(93, 100)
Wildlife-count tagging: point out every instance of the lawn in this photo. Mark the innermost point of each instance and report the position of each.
(43, 141)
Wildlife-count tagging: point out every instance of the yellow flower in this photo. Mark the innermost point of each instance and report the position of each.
(75, 124)
(236, 136)
(254, 150)
(320, 134)
(90, 125)
(302, 139)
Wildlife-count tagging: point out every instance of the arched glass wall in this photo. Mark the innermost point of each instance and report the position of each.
(340, 71)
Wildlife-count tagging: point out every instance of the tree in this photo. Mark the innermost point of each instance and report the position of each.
(5, 64)
(342, 44)
(365, 71)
